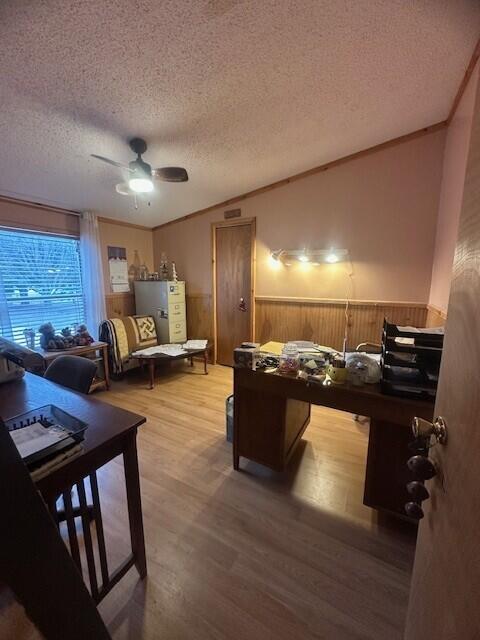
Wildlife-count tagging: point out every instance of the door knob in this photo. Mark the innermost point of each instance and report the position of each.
(242, 306)
(414, 510)
(437, 429)
(422, 467)
(418, 491)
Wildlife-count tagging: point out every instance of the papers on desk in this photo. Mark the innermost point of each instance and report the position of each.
(195, 344)
(35, 437)
(161, 349)
(55, 463)
(324, 349)
(272, 347)
(436, 330)
(303, 346)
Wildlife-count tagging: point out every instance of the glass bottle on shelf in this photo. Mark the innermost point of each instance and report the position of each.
(163, 268)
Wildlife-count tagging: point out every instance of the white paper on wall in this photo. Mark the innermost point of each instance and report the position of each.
(118, 275)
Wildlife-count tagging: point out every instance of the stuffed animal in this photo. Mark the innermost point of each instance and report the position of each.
(48, 340)
(68, 339)
(82, 337)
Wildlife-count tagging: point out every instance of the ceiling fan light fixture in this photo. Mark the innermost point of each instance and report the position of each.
(141, 185)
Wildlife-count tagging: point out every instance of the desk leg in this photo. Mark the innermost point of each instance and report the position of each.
(236, 404)
(236, 461)
(134, 501)
(151, 370)
(105, 367)
(205, 360)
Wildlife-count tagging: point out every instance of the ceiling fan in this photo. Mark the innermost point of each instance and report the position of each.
(141, 173)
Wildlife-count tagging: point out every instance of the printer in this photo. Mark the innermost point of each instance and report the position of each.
(15, 359)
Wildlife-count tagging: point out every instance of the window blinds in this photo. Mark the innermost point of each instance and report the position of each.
(40, 281)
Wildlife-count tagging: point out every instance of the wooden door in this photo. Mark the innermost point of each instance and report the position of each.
(444, 598)
(233, 274)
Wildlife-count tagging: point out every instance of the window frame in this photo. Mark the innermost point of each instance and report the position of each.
(16, 333)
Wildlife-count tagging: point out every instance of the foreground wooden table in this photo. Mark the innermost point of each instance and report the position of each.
(111, 432)
(272, 411)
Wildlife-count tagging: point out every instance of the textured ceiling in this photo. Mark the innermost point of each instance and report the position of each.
(240, 92)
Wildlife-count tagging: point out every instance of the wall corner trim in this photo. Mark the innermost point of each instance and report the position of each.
(123, 223)
(463, 84)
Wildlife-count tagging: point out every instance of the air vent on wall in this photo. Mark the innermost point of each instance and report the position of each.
(233, 213)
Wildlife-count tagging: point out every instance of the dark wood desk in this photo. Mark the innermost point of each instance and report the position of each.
(271, 413)
(111, 432)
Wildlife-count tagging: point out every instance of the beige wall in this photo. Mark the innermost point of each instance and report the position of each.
(382, 207)
(130, 237)
(451, 195)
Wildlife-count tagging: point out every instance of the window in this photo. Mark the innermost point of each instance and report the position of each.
(40, 281)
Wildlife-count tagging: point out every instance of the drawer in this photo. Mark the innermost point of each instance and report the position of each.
(176, 311)
(177, 331)
(175, 291)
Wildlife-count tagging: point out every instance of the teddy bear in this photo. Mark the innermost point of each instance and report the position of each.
(68, 339)
(48, 340)
(82, 337)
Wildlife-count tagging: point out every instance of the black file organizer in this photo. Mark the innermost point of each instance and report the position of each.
(410, 370)
(47, 416)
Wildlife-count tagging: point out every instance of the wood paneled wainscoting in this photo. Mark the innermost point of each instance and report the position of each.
(435, 317)
(285, 319)
(314, 319)
(323, 321)
(200, 317)
(120, 305)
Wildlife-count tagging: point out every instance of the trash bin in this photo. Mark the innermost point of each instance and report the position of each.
(229, 413)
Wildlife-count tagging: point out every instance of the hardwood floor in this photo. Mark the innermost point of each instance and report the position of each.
(252, 554)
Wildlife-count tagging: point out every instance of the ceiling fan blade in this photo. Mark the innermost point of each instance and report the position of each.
(123, 189)
(170, 174)
(112, 162)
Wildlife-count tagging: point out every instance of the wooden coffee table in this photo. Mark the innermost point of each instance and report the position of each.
(157, 357)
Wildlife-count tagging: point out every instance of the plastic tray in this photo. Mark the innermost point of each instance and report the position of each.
(48, 416)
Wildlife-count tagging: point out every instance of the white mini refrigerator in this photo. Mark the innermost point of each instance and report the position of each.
(165, 301)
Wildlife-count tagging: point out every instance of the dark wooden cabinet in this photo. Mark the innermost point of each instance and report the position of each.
(279, 423)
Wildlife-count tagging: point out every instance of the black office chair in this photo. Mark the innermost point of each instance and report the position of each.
(74, 372)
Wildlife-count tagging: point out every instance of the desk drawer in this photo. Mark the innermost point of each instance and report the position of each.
(176, 311)
(175, 292)
(178, 331)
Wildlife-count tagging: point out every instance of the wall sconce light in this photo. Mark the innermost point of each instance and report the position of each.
(314, 256)
(332, 257)
(276, 255)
